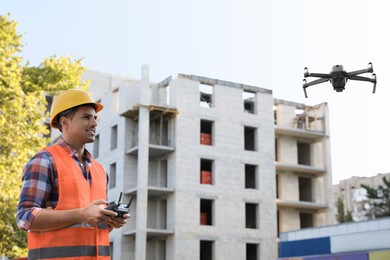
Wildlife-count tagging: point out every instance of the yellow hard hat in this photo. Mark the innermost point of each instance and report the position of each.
(68, 99)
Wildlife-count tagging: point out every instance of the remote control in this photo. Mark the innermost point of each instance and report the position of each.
(119, 207)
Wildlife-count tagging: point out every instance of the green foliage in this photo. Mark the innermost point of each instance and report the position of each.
(341, 216)
(22, 115)
(379, 199)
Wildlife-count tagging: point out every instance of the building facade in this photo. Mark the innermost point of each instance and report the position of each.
(217, 169)
(303, 167)
(354, 196)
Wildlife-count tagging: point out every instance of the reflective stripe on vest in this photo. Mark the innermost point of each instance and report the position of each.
(78, 240)
(67, 251)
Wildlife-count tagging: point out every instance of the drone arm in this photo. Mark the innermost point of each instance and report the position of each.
(362, 78)
(317, 81)
(372, 80)
(357, 72)
(369, 69)
(314, 82)
(318, 75)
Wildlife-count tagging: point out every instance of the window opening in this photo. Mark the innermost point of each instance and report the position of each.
(96, 146)
(305, 189)
(250, 176)
(114, 137)
(115, 100)
(112, 183)
(276, 150)
(275, 115)
(251, 215)
(303, 153)
(206, 95)
(206, 212)
(306, 220)
(251, 251)
(250, 138)
(249, 102)
(206, 250)
(206, 171)
(206, 132)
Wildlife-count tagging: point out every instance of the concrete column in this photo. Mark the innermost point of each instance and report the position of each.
(142, 166)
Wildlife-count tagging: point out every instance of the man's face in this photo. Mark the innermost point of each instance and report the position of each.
(82, 126)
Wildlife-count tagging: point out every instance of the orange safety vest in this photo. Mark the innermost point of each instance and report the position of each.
(78, 241)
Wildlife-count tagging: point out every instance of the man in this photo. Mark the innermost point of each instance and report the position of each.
(63, 196)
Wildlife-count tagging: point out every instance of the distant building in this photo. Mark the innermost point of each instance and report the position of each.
(217, 168)
(354, 196)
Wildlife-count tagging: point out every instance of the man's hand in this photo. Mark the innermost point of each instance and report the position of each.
(95, 213)
(118, 222)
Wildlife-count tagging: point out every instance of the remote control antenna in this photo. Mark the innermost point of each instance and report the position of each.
(120, 197)
(131, 199)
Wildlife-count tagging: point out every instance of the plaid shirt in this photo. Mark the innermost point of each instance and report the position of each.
(40, 183)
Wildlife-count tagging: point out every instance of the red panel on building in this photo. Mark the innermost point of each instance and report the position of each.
(205, 177)
(205, 138)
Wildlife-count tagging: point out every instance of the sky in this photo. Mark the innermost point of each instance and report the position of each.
(255, 42)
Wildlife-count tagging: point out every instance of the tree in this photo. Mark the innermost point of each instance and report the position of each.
(379, 199)
(341, 216)
(22, 116)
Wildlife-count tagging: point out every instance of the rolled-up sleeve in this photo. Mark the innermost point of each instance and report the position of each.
(36, 188)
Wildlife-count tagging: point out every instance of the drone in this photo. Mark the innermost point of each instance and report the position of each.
(338, 77)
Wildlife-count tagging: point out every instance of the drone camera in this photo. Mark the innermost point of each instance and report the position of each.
(119, 208)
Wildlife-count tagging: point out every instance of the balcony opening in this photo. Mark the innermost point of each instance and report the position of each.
(157, 214)
(251, 215)
(249, 102)
(158, 132)
(250, 176)
(252, 251)
(206, 95)
(250, 138)
(303, 153)
(158, 173)
(206, 250)
(155, 249)
(206, 132)
(206, 171)
(306, 220)
(206, 212)
(305, 189)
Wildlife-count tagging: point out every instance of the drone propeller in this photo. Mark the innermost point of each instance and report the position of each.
(373, 77)
(370, 68)
(304, 83)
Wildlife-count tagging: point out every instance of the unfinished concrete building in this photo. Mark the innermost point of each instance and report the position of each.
(302, 162)
(217, 168)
